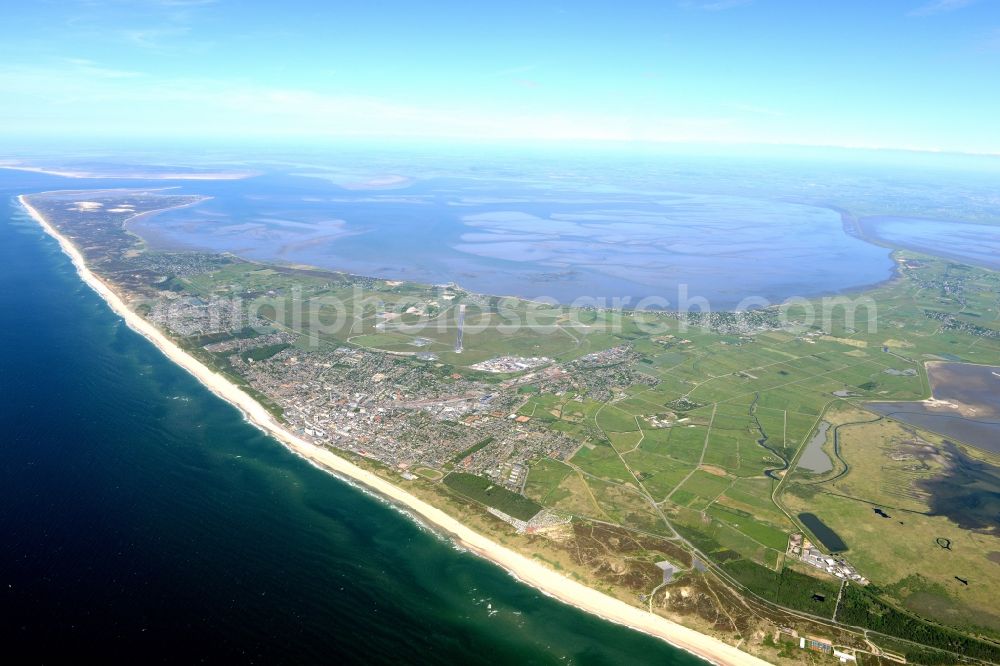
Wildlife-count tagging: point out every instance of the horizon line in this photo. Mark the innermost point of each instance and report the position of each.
(525, 141)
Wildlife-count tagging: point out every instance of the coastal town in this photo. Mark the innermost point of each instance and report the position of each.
(401, 412)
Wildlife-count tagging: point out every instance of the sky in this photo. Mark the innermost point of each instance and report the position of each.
(904, 74)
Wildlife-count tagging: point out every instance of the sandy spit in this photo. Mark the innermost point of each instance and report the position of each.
(67, 173)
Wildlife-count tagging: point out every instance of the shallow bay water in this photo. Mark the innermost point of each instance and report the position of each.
(514, 238)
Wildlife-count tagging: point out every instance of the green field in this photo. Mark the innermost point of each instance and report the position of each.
(693, 433)
(687, 429)
(486, 492)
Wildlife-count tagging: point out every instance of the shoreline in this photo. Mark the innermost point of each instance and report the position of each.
(868, 227)
(522, 567)
(181, 175)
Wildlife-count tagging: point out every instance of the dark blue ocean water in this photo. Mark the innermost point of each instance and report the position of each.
(142, 518)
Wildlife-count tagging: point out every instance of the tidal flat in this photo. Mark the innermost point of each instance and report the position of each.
(497, 237)
(965, 404)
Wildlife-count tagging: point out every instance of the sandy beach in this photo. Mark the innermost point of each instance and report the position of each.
(66, 173)
(524, 568)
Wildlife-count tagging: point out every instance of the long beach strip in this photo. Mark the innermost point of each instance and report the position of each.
(525, 569)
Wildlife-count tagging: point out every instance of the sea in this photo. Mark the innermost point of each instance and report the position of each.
(142, 518)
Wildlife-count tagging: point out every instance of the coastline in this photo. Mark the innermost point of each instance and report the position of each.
(221, 175)
(868, 229)
(520, 566)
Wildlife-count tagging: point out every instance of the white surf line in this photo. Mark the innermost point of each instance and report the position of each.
(523, 568)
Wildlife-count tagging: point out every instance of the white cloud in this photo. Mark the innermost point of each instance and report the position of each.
(84, 67)
(78, 97)
(940, 7)
(153, 38)
(83, 97)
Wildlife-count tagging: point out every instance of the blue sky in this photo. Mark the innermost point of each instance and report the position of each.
(913, 74)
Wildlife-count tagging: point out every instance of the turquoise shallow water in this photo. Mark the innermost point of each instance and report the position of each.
(141, 517)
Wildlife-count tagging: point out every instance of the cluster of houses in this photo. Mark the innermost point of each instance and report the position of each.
(802, 549)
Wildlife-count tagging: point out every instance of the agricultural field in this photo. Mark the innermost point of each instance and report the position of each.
(699, 437)
(697, 429)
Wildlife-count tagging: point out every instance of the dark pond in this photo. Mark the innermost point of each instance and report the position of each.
(829, 539)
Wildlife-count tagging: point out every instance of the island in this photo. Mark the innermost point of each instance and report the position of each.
(736, 483)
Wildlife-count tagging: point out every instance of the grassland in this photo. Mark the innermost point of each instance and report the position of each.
(686, 448)
(739, 409)
(900, 549)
